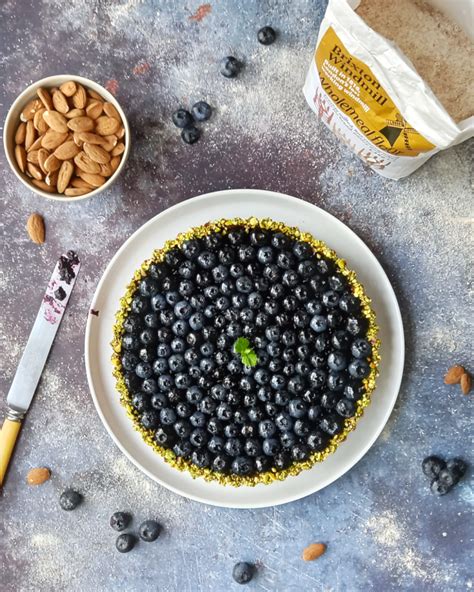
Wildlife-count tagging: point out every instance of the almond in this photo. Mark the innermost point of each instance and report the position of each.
(60, 102)
(43, 156)
(64, 176)
(38, 476)
(114, 162)
(51, 179)
(314, 551)
(75, 113)
(52, 164)
(86, 164)
(453, 375)
(56, 121)
(20, 156)
(75, 191)
(109, 142)
(30, 136)
(39, 122)
(94, 180)
(20, 133)
(81, 124)
(80, 183)
(52, 139)
(94, 94)
(67, 150)
(45, 98)
(106, 169)
(111, 111)
(118, 149)
(96, 152)
(90, 138)
(36, 144)
(105, 126)
(34, 171)
(68, 88)
(121, 133)
(466, 383)
(79, 98)
(30, 110)
(35, 228)
(32, 156)
(42, 185)
(94, 109)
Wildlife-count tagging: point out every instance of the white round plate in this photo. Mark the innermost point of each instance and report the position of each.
(243, 203)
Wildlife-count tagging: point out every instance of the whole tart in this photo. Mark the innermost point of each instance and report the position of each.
(245, 351)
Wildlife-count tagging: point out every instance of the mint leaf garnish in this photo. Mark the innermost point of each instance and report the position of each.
(248, 357)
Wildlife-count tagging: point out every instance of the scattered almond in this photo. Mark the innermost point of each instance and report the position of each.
(60, 102)
(314, 551)
(453, 375)
(35, 228)
(466, 383)
(38, 476)
(68, 88)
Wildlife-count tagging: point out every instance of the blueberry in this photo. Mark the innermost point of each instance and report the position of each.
(457, 467)
(266, 35)
(120, 520)
(149, 386)
(270, 446)
(299, 452)
(164, 437)
(319, 323)
(140, 401)
(288, 439)
(355, 325)
(201, 111)
(70, 499)
(277, 382)
(230, 67)
(182, 118)
(214, 426)
(361, 348)
(316, 441)
(194, 395)
(149, 531)
(143, 370)
(150, 419)
(340, 340)
(167, 416)
(345, 408)
(243, 572)
(336, 381)
(221, 463)
(329, 400)
(314, 412)
(130, 342)
(215, 444)
(290, 278)
(165, 382)
(337, 361)
(439, 487)
(233, 446)
(182, 428)
(283, 421)
(314, 307)
(255, 300)
(198, 419)
(297, 408)
(125, 542)
(302, 250)
(331, 425)
(183, 448)
(129, 361)
(447, 478)
(266, 428)
(354, 391)
(307, 269)
(191, 248)
(242, 465)
(359, 368)
(262, 464)
(190, 134)
(149, 287)
(244, 284)
(317, 378)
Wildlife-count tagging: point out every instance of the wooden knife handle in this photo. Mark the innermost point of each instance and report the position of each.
(8, 436)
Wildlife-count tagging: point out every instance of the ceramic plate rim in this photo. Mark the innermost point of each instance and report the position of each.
(395, 310)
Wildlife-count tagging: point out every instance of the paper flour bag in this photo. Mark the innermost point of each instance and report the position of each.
(370, 95)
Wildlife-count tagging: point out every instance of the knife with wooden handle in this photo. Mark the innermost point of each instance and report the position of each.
(36, 353)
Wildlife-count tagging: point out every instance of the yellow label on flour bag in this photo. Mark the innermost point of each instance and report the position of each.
(356, 92)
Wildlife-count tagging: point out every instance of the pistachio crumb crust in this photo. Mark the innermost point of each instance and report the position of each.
(320, 250)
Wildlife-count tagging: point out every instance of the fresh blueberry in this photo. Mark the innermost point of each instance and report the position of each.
(359, 368)
(266, 35)
(337, 361)
(125, 542)
(201, 111)
(243, 572)
(242, 465)
(120, 520)
(457, 467)
(319, 323)
(70, 499)
(439, 487)
(361, 348)
(230, 67)
(149, 531)
(182, 118)
(190, 134)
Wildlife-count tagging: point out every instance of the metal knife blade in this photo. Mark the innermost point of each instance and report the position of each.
(42, 335)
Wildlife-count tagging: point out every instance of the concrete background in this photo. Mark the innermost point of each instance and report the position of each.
(383, 528)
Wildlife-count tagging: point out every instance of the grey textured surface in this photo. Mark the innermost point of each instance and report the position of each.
(383, 529)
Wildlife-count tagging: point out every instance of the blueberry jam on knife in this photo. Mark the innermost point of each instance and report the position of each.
(245, 351)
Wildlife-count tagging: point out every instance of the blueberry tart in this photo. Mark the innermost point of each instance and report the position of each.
(245, 351)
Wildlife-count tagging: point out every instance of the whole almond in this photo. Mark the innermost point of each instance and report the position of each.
(94, 95)
(67, 150)
(38, 476)
(86, 164)
(35, 228)
(314, 551)
(81, 124)
(51, 179)
(111, 111)
(20, 156)
(30, 136)
(52, 164)
(32, 156)
(39, 121)
(114, 162)
(75, 113)
(80, 183)
(60, 102)
(105, 126)
(45, 98)
(52, 139)
(68, 88)
(121, 133)
(79, 98)
(34, 171)
(75, 191)
(118, 149)
(94, 180)
(36, 144)
(20, 133)
(453, 375)
(56, 121)
(42, 185)
(43, 156)
(96, 152)
(109, 142)
(90, 138)
(94, 109)
(64, 175)
(466, 383)
(106, 169)
(30, 110)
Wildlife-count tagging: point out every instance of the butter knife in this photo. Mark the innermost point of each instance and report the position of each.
(36, 353)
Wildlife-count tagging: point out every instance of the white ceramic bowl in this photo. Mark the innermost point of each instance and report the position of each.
(13, 119)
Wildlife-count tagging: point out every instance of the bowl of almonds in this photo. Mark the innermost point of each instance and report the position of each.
(66, 138)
